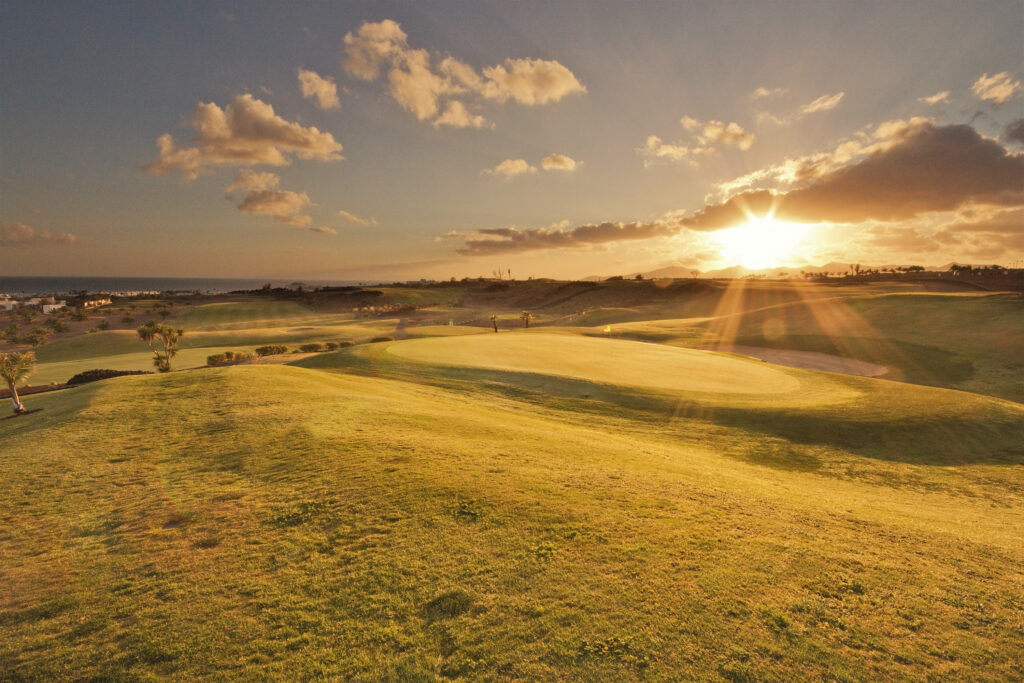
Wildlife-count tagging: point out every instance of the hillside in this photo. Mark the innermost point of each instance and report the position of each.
(425, 509)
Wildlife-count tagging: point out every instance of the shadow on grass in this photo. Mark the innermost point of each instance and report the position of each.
(983, 433)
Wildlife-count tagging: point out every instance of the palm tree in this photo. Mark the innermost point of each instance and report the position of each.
(494, 321)
(14, 367)
(526, 315)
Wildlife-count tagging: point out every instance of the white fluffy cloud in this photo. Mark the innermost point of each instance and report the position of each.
(247, 131)
(425, 89)
(529, 81)
(21, 235)
(559, 162)
(357, 220)
(997, 88)
(316, 87)
(511, 168)
(706, 137)
(457, 116)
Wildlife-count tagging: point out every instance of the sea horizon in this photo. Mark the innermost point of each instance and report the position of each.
(26, 285)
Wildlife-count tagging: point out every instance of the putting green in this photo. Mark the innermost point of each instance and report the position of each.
(608, 361)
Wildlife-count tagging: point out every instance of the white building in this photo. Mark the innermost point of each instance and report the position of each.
(49, 308)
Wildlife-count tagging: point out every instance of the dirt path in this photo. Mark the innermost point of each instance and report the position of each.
(809, 360)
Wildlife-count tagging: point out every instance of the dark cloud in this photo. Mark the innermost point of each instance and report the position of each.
(1015, 132)
(1002, 223)
(513, 240)
(929, 168)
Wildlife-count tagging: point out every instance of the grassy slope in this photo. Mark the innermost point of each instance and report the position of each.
(467, 522)
(972, 342)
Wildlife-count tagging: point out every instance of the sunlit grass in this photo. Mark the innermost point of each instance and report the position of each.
(276, 521)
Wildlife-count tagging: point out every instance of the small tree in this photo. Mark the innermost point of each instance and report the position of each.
(526, 316)
(153, 333)
(14, 367)
(494, 321)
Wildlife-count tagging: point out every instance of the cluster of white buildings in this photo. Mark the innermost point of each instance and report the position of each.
(47, 304)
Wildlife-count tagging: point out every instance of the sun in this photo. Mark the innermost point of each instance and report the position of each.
(761, 243)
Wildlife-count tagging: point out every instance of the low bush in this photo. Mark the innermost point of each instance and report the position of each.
(312, 347)
(228, 358)
(331, 346)
(96, 375)
(380, 339)
(271, 350)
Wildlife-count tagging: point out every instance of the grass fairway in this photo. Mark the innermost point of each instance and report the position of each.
(626, 363)
(431, 521)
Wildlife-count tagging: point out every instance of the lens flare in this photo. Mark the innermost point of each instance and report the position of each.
(762, 243)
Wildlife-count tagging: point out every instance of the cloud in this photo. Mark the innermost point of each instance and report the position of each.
(21, 235)
(259, 198)
(656, 149)
(424, 88)
(801, 170)
(997, 88)
(919, 168)
(706, 136)
(371, 47)
(727, 135)
(823, 103)
(325, 230)
(511, 168)
(457, 116)
(936, 98)
(763, 93)
(512, 240)
(1015, 132)
(247, 131)
(529, 81)
(1010, 222)
(316, 87)
(251, 180)
(559, 162)
(352, 218)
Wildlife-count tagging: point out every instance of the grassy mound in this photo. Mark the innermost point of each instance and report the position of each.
(605, 361)
(281, 521)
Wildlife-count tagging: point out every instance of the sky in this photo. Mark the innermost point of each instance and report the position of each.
(406, 140)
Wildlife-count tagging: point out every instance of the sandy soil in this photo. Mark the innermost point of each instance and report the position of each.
(810, 360)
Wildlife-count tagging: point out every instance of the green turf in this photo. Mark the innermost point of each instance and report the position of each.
(269, 521)
(553, 504)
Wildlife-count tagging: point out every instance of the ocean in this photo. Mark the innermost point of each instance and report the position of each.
(60, 286)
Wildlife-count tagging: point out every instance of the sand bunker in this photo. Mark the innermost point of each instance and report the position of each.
(608, 361)
(809, 360)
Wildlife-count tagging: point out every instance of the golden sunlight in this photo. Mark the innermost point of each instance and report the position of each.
(761, 243)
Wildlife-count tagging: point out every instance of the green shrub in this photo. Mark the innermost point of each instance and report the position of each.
(271, 350)
(227, 357)
(331, 346)
(381, 339)
(312, 347)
